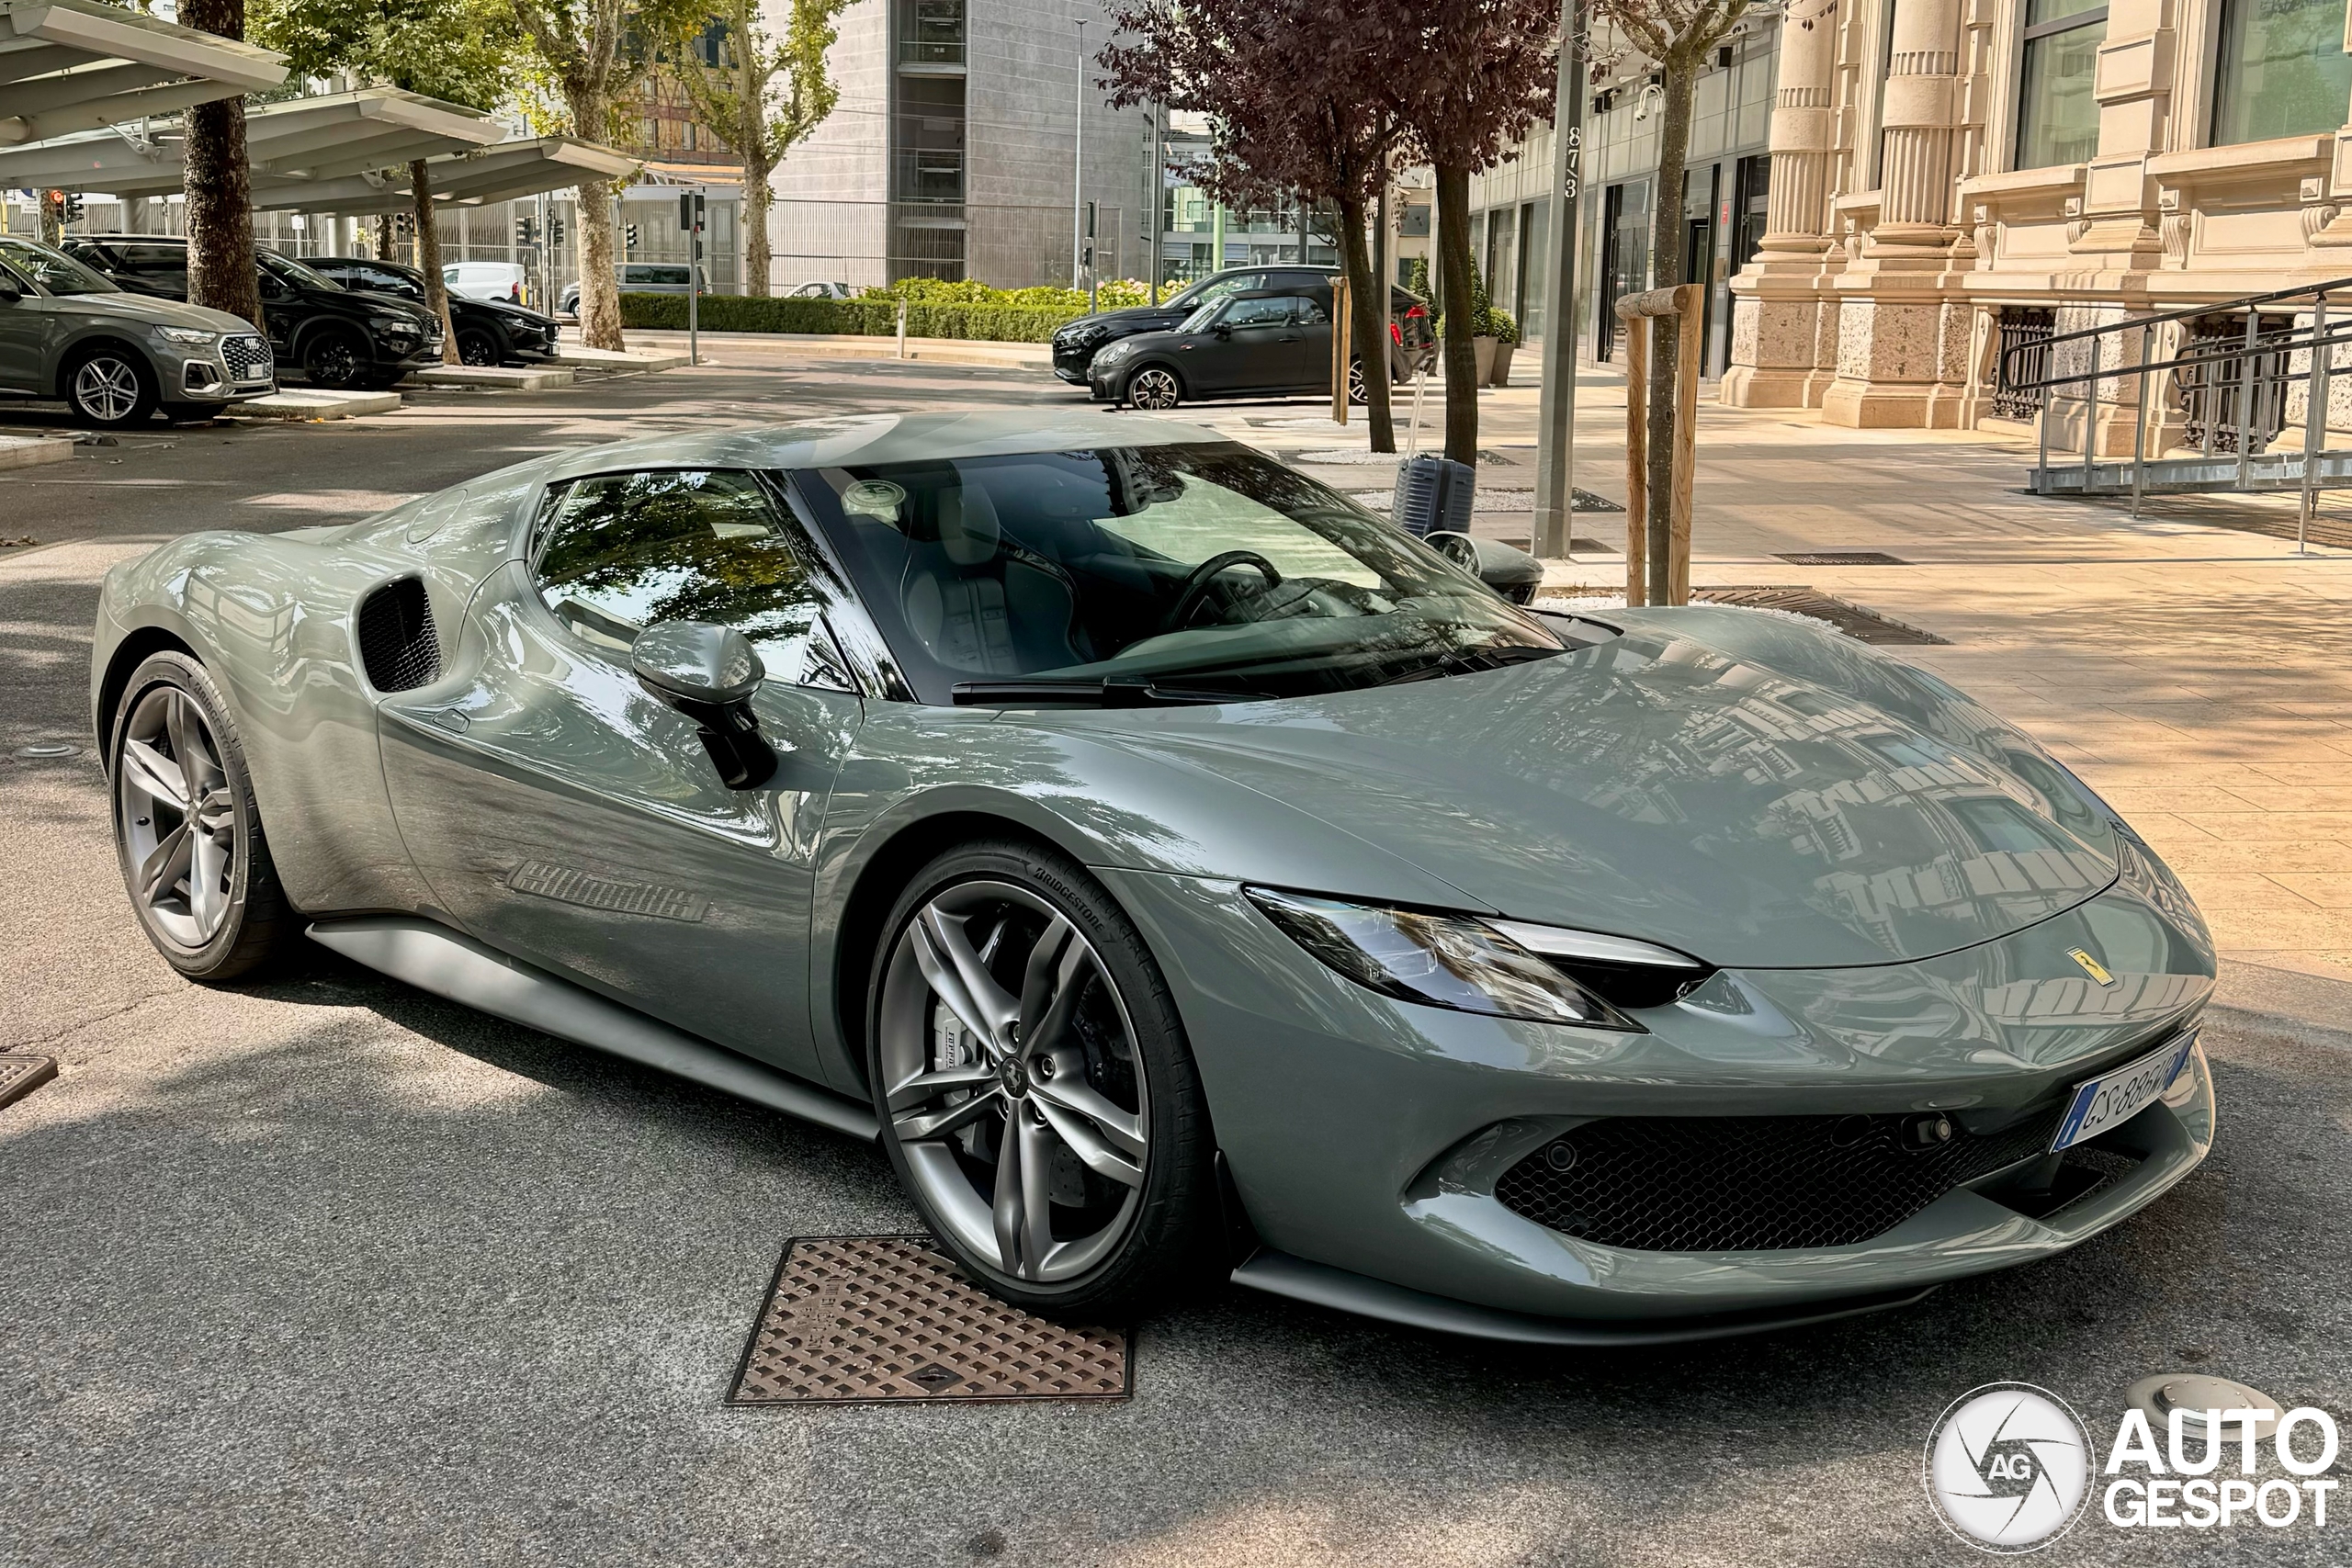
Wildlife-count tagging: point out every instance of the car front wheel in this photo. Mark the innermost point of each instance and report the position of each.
(187, 828)
(110, 388)
(336, 360)
(1154, 387)
(1036, 1094)
(477, 347)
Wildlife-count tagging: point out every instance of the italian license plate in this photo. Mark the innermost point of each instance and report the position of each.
(2114, 1098)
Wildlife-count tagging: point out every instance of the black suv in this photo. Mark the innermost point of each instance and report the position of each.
(490, 332)
(340, 338)
(1076, 342)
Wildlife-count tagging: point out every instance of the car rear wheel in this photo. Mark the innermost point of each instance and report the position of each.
(1035, 1091)
(1154, 387)
(477, 346)
(188, 830)
(336, 359)
(110, 389)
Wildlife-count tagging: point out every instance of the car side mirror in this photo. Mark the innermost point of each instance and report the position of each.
(1512, 572)
(708, 674)
(1223, 329)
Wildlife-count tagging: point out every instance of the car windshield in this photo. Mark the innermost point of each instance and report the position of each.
(287, 270)
(1198, 322)
(1209, 290)
(54, 270)
(1202, 564)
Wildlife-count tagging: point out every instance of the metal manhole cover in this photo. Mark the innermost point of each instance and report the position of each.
(1862, 625)
(856, 1319)
(20, 1075)
(1842, 558)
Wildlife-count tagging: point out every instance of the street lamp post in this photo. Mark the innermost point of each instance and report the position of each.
(1555, 430)
(1078, 168)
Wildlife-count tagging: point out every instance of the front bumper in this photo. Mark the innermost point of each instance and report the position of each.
(1366, 1136)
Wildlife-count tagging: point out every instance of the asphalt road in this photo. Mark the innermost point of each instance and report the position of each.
(328, 1271)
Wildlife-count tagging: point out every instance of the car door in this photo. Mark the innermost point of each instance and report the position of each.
(566, 816)
(1308, 363)
(1254, 342)
(27, 328)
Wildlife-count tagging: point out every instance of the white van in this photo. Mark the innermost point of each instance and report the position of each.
(485, 280)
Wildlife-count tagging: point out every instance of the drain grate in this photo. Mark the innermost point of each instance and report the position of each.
(857, 1319)
(20, 1075)
(1862, 625)
(1842, 558)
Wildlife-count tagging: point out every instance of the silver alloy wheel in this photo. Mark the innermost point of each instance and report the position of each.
(1154, 389)
(1013, 1083)
(107, 388)
(176, 817)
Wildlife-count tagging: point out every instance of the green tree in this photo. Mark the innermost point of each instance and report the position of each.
(764, 95)
(458, 50)
(592, 53)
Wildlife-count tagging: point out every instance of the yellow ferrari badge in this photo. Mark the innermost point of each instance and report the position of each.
(2091, 967)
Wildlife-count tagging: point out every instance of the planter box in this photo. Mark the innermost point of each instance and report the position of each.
(1501, 375)
(1485, 346)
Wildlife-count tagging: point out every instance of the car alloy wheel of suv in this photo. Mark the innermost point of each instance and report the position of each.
(109, 388)
(335, 359)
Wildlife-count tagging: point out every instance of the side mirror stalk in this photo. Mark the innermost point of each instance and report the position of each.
(708, 674)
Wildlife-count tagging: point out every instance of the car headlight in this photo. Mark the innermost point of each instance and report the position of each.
(1503, 969)
(1115, 352)
(192, 337)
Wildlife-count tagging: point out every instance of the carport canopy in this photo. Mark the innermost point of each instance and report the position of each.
(295, 148)
(74, 65)
(507, 172)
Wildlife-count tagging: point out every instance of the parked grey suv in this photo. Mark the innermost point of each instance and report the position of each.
(114, 356)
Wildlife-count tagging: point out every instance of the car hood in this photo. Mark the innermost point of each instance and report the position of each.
(153, 310)
(1739, 786)
(1135, 319)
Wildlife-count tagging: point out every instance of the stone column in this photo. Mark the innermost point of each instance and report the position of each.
(1904, 332)
(1784, 324)
(2133, 86)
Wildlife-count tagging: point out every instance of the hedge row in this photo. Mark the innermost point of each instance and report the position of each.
(864, 318)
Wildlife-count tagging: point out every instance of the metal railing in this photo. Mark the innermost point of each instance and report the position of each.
(2228, 395)
(2025, 335)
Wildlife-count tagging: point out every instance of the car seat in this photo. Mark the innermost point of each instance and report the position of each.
(980, 601)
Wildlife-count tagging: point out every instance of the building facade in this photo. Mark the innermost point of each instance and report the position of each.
(1952, 176)
(951, 151)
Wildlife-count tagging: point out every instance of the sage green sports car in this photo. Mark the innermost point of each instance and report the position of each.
(1182, 873)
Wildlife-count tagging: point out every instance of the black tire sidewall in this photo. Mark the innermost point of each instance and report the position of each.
(474, 334)
(1126, 393)
(258, 917)
(318, 346)
(1167, 1240)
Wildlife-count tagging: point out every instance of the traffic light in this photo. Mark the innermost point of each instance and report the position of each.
(690, 211)
(527, 231)
(555, 231)
(629, 237)
(73, 207)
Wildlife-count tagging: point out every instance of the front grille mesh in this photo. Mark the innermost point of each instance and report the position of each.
(246, 356)
(1741, 1183)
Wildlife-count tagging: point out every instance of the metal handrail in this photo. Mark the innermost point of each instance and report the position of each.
(2222, 308)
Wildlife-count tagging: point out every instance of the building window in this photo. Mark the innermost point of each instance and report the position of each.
(2057, 115)
(931, 32)
(2283, 70)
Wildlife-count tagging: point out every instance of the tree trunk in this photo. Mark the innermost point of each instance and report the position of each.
(428, 257)
(600, 294)
(220, 184)
(1665, 271)
(384, 227)
(1454, 294)
(758, 259)
(53, 217)
(1368, 326)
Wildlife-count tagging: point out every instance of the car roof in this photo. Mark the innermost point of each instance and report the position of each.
(884, 438)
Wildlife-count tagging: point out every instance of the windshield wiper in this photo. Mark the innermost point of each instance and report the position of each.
(1117, 692)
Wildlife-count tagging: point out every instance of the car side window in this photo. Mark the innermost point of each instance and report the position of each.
(385, 283)
(1312, 311)
(617, 553)
(1226, 287)
(1268, 312)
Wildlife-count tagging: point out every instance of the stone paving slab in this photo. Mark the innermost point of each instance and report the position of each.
(315, 403)
(496, 378)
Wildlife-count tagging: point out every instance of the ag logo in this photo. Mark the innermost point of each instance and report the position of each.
(2091, 967)
(2007, 1467)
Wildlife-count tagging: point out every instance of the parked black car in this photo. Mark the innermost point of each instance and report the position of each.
(490, 332)
(1265, 344)
(114, 357)
(338, 337)
(1076, 342)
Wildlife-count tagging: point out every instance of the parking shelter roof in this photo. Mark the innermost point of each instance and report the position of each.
(295, 148)
(475, 177)
(74, 65)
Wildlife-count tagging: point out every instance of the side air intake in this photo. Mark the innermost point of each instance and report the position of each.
(397, 642)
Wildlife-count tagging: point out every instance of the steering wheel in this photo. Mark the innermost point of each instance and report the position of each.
(1196, 583)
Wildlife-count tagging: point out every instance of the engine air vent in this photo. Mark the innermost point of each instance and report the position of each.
(397, 642)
